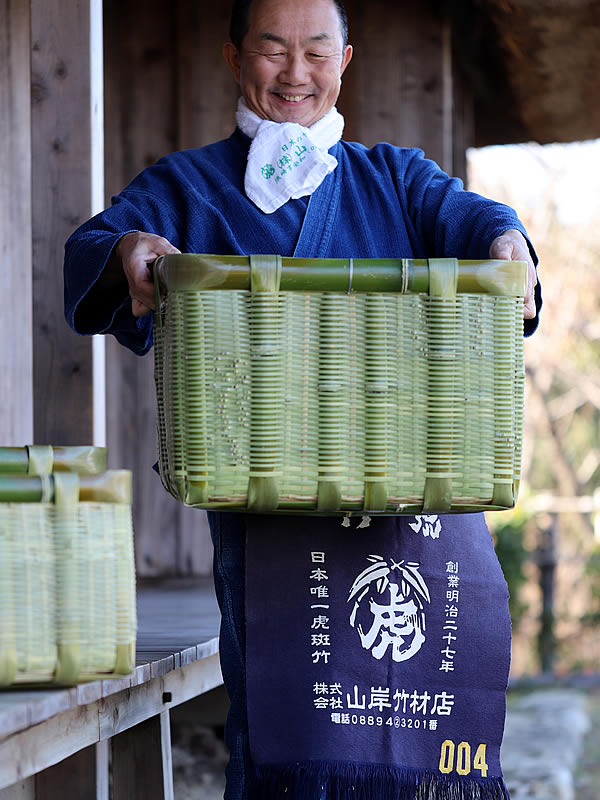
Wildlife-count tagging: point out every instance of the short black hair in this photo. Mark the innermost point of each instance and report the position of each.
(239, 25)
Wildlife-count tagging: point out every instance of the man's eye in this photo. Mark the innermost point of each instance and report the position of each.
(316, 55)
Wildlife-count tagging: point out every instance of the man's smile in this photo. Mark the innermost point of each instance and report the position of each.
(293, 98)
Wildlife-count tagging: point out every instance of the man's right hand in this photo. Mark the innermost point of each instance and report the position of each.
(135, 251)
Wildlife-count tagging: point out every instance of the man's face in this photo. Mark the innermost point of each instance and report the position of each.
(291, 60)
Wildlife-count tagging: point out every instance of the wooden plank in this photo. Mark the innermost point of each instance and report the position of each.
(44, 745)
(140, 120)
(206, 101)
(131, 439)
(24, 790)
(141, 674)
(88, 692)
(114, 685)
(14, 715)
(122, 711)
(392, 89)
(79, 773)
(188, 655)
(20, 709)
(194, 680)
(207, 91)
(16, 348)
(140, 102)
(102, 770)
(161, 664)
(463, 123)
(63, 119)
(166, 755)
(447, 121)
(141, 761)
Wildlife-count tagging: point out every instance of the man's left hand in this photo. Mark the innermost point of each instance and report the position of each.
(512, 246)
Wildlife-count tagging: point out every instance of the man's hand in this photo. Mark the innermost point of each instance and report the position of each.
(512, 246)
(135, 251)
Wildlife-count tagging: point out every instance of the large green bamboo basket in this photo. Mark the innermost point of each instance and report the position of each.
(67, 584)
(383, 386)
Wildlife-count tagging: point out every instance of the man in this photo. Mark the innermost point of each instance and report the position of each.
(324, 198)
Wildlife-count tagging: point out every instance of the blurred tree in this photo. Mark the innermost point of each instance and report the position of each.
(512, 554)
(561, 461)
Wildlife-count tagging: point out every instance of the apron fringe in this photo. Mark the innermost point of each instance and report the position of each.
(318, 780)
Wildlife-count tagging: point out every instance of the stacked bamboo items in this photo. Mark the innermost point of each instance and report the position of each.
(67, 580)
(339, 386)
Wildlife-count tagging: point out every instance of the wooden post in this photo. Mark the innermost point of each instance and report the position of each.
(141, 761)
(16, 359)
(546, 561)
(66, 58)
(463, 125)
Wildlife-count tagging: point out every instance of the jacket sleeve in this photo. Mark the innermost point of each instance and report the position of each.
(454, 222)
(87, 252)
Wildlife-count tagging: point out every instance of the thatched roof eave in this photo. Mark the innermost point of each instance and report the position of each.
(533, 66)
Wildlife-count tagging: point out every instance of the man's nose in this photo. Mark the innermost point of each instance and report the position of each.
(295, 70)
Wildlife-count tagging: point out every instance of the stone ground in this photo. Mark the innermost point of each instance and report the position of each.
(587, 777)
(543, 748)
(551, 749)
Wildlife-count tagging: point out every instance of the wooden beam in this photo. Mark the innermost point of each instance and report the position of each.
(66, 145)
(560, 504)
(16, 353)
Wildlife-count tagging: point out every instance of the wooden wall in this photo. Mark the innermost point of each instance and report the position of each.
(66, 141)
(50, 135)
(167, 88)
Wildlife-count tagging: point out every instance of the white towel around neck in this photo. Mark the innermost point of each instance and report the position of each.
(286, 160)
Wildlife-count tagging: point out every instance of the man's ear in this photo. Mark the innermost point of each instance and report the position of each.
(346, 56)
(232, 57)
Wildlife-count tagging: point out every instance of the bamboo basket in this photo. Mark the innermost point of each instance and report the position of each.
(67, 583)
(44, 459)
(380, 386)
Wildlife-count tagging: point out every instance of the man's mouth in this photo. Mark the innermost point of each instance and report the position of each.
(293, 98)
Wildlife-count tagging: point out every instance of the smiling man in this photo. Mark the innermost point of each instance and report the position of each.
(327, 722)
(289, 65)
